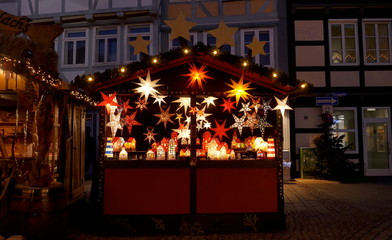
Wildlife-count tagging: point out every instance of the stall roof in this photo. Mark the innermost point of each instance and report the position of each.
(212, 62)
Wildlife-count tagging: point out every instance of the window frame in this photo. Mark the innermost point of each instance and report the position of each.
(342, 22)
(387, 21)
(256, 32)
(96, 37)
(349, 130)
(128, 35)
(74, 40)
(191, 34)
(205, 36)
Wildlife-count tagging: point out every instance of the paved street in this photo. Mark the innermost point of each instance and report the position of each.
(316, 209)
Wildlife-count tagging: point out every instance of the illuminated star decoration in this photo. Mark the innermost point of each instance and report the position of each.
(184, 102)
(201, 117)
(126, 106)
(140, 45)
(245, 107)
(108, 101)
(239, 123)
(220, 130)
(159, 99)
(183, 131)
(256, 46)
(179, 117)
(256, 104)
(224, 34)
(282, 105)
(197, 75)
(147, 86)
(130, 121)
(114, 123)
(150, 135)
(209, 100)
(193, 110)
(227, 105)
(141, 104)
(266, 106)
(262, 124)
(180, 27)
(252, 121)
(239, 89)
(165, 116)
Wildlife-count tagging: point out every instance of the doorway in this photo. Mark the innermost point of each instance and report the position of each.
(377, 136)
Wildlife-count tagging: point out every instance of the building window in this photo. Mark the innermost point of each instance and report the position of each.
(106, 45)
(75, 49)
(343, 43)
(377, 42)
(263, 35)
(209, 39)
(175, 43)
(345, 123)
(132, 32)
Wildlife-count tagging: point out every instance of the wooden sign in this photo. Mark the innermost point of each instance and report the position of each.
(11, 23)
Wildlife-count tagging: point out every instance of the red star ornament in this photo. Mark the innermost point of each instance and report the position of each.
(220, 130)
(197, 75)
(126, 106)
(108, 100)
(227, 105)
(165, 116)
(130, 121)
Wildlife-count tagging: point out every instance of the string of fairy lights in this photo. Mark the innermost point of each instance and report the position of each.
(7, 63)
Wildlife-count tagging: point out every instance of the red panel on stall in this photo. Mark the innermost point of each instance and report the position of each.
(133, 191)
(231, 190)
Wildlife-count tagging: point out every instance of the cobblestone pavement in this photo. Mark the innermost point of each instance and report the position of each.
(316, 210)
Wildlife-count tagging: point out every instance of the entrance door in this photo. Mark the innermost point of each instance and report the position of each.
(377, 135)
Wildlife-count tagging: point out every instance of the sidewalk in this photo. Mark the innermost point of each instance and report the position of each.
(316, 209)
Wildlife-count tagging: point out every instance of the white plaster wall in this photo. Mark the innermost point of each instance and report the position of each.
(307, 117)
(146, 3)
(11, 8)
(76, 5)
(49, 6)
(345, 79)
(309, 56)
(309, 30)
(304, 140)
(378, 78)
(25, 8)
(70, 75)
(123, 4)
(315, 78)
(102, 4)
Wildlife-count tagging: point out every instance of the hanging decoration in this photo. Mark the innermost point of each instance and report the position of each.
(239, 90)
(223, 34)
(140, 45)
(262, 122)
(197, 76)
(150, 135)
(165, 116)
(180, 27)
(141, 104)
(220, 130)
(130, 121)
(252, 122)
(159, 99)
(209, 100)
(239, 123)
(184, 102)
(114, 123)
(256, 103)
(147, 86)
(183, 131)
(282, 105)
(227, 105)
(245, 108)
(108, 101)
(126, 106)
(256, 46)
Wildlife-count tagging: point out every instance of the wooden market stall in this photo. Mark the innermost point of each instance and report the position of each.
(192, 145)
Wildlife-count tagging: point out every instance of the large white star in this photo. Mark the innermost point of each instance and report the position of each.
(159, 99)
(282, 105)
(183, 132)
(147, 86)
(114, 123)
(209, 100)
(184, 102)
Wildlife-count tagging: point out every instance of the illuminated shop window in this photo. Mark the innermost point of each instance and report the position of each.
(346, 124)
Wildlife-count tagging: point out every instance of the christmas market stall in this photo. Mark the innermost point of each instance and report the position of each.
(41, 133)
(192, 144)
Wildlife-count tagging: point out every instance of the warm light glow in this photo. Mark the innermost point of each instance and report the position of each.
(245, 63)
(123, 69)
(215, 52)
(155, 60)
(147, 86)
(197, 75)
(239, 90)
(303, 85)
(90, 78)
(186, 51)
(274, 75)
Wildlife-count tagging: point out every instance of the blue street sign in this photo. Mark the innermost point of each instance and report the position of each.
(327, 101)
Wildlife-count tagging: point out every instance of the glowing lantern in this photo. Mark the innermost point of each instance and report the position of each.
(118, 143)
(150, 155)
(260, 154)
(123, 154)
(109, 148)
(271, 148)
(130, 144)
(171, 153)
(200, 153)
(161, 155)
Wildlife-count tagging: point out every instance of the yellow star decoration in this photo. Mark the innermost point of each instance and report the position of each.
(239, 90)
(197, 75)
(140, 45)
(224, 34)
(256, 46)
(180, 27)
(282, 105)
